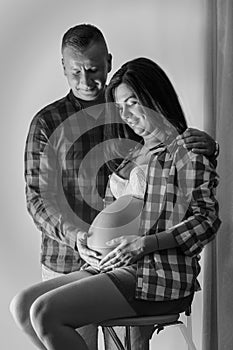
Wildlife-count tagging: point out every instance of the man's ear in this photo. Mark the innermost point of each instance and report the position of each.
(63, 65)
(109, 63)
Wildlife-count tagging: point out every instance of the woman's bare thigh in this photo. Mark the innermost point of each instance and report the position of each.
(30, 294)
(84, 301)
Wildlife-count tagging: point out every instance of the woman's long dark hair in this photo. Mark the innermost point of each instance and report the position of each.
(153, 90)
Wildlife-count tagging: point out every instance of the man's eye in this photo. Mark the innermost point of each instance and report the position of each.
(76, 73)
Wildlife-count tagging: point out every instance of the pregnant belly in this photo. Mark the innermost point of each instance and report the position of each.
(120, 218)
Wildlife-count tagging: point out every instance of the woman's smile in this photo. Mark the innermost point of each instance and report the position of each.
(134, 115)
(132, 123)
(130, 110)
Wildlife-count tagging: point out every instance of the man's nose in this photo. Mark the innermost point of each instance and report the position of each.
(85, 79)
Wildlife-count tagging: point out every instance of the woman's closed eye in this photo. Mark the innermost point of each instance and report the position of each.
(120, 106)
(131, 103)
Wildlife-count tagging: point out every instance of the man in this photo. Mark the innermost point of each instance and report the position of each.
(65, 180)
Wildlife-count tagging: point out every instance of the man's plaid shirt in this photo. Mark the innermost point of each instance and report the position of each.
(65, 182)
(180, 198)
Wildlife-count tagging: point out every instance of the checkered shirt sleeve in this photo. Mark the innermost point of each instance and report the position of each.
(41, 185)
(180, 199)
(197, 181)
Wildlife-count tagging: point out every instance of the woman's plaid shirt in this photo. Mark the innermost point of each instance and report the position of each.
(180, 198)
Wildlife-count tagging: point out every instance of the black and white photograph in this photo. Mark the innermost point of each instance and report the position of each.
(116, 174)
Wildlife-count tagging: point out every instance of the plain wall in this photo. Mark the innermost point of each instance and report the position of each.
(167, 31)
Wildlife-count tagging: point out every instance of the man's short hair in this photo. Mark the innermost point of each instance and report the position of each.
(81, 36)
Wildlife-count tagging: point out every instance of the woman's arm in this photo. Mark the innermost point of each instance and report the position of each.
(197, 181)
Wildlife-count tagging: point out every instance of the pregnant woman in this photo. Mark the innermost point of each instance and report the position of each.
(169, 214)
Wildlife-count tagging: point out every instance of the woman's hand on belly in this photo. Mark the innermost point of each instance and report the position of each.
(89, 255)
(129, 249)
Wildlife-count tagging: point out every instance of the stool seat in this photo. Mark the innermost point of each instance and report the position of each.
(158, 322)
(141, 321)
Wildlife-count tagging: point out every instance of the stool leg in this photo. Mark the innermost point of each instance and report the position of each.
(189, 328)
(127, 338)
(189, 341)
(115, 338)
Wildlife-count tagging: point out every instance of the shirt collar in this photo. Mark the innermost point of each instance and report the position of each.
(170, 144)
(78, 106)
(74, 100)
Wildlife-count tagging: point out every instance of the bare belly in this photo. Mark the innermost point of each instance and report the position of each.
(120, 218)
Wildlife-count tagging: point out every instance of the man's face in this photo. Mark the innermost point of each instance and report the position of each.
(87, 70)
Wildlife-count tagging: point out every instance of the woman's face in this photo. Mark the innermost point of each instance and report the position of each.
(132, 112)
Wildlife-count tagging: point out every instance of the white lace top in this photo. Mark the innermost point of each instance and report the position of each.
(135, 185)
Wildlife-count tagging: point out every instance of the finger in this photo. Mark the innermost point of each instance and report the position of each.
(192, 132)
(117, 240)
(115, 266)
(111, 259)
(194, 139)
(184, 134)
(114, 253)
(120, 240)
(88, 234)
(120, 263)
(89, 252)
(203, 151)
(105, 261)
(108, 257)
(199, 144)
(82, 235)
(108, 265)
(93, 262)
(127, 262)
(191, 139)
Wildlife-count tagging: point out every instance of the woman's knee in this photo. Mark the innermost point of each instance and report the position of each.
(42, 316)
(20, 309)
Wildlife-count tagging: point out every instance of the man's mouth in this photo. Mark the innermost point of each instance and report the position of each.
(88, 90)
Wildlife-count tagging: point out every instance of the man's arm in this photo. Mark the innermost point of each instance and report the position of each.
(199, 142)
(41, 176)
